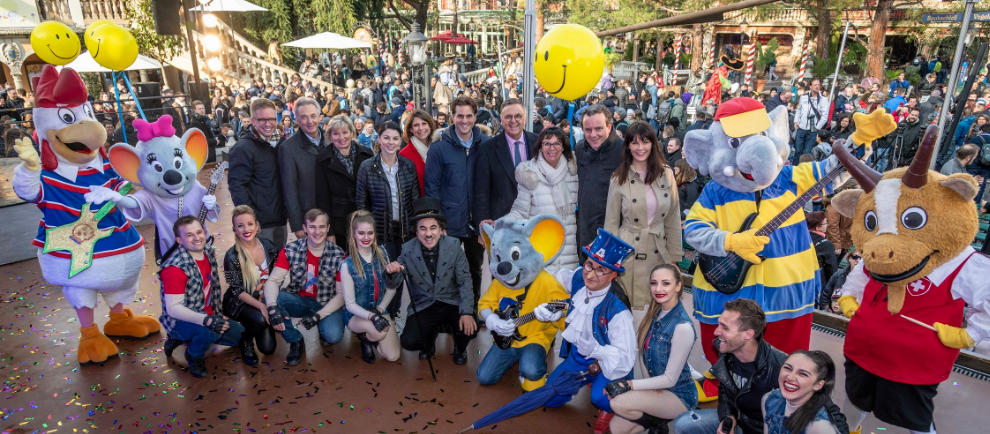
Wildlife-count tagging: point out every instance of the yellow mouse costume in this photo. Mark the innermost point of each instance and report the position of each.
(914, 227)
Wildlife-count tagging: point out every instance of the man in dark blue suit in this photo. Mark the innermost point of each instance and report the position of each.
(495, 185)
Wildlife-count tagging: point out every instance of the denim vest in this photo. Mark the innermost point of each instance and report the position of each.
(364, 288)
(656, 354)
(774, 413)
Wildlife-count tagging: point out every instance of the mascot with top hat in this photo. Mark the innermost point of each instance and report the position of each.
(89, 252)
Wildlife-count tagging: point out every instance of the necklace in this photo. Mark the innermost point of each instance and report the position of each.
(587, 295)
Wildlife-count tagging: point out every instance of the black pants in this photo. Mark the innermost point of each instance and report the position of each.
(422, 328)
(475, 256)
(340, 229)
(256, 328)
(393, 248)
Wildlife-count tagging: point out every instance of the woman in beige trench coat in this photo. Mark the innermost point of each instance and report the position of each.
(643, 209)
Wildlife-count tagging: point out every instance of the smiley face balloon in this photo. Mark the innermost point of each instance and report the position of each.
(110, 45)
(55, 43)
(569, 61)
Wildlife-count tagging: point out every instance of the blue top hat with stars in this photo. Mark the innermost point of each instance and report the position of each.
(608, 250)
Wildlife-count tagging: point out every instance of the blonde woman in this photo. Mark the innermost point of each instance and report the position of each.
(336, 175)
(246, 266)
(368, 290)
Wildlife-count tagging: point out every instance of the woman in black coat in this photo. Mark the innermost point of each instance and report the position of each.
(391, 208)
(245, 268)
(689, 185)
(336, 175)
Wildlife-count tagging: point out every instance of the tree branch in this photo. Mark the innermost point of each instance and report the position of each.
(403, 20)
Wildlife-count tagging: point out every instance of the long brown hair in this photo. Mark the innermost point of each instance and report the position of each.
(362, 216)
(249, 273)
(685, 173)
(651, 312)
(654, 163)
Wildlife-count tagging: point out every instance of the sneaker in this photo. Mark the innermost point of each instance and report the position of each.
(295, 353)
(460, 357)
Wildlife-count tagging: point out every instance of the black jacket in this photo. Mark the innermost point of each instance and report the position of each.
(912, 134)
(495, 186)
(825, 251)
(335, 187)
(253, 178)
(297, 165)
(235, 281)
(768, 363)
(595, 169)
(688, 194)
(375, 195)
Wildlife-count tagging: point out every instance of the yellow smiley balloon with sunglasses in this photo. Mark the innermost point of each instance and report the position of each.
(568, 61)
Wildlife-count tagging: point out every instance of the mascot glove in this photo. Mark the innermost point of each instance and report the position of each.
(953, 337)
(100, 194)
(545, 314)
(872, 126)
(310, 321)
(617, 387)
(214, 323)
(848, 305)
(746, 244)
(26, 152)
(210, 201)
(500, 326)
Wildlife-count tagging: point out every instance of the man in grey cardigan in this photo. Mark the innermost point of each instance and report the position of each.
(297, 163)
(436, 272)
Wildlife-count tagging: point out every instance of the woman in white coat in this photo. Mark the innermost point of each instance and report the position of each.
(548, 184)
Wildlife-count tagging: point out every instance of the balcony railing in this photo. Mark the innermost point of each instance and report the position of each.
(113, 10)
(57, 10)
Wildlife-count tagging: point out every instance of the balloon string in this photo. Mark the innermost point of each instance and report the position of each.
(120, 107)
(570, 122)
(137, 101)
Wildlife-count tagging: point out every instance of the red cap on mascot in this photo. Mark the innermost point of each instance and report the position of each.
(56, 90)
(742, 116)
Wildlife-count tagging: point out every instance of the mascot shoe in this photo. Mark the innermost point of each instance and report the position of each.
(128, 325)
(94, 347)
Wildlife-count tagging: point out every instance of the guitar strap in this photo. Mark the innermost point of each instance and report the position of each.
(759, 197)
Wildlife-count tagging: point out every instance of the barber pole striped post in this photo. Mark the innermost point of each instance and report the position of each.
(804, 62)
(711, 54)
(750, 63)
(677, 52)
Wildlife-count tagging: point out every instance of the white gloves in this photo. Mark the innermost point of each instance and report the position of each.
(100, 194)
(500, 326)
(210, 201)
(543, 313)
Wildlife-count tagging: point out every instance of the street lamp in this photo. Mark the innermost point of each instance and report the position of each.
(744, 26)
(416, 42)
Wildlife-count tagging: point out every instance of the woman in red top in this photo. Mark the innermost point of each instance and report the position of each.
(418, 134)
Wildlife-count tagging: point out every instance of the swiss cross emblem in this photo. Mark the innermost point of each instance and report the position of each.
(919, 287)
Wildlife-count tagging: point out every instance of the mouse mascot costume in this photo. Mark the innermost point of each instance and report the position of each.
(519, 251)
(165, 166)
(906, 298)
(89, 252)
(745, 152)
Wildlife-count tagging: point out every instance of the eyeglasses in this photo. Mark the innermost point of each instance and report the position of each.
(553, 145)
(856, 257)
(264, 120)
(591, 267)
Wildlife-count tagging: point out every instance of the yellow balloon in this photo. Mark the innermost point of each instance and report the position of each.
(55, 43)
(568, 61)
(112, 46)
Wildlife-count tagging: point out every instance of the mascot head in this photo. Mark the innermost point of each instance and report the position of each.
(519, 249)
(745, 147)
(64, 120)
(907, 221)
(162, 163)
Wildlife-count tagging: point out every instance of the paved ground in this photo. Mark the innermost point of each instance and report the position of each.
(45, 389)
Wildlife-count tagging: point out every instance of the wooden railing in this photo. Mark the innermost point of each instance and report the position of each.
(57, 10)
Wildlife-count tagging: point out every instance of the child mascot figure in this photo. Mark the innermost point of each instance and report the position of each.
(89, 253)
(165, 166)
(906, 298)
(745, 151)
(519, 251)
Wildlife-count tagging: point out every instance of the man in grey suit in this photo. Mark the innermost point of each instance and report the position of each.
(297, 164)
(439, 282)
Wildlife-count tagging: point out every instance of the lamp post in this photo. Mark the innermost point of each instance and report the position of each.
(416, 42)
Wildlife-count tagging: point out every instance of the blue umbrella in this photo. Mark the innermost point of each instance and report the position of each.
(568, 383)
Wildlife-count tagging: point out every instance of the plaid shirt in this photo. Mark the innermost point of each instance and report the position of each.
(194, 296)
(326, 285)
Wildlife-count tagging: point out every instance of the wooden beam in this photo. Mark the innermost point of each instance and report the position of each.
(688, 18)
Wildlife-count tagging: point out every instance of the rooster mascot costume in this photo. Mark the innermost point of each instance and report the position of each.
(906, 298)
(89, 252)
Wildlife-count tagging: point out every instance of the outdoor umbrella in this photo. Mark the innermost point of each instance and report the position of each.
(327, 40)
(566, 384)
(442, 36)
(460, 40)
(228, 6)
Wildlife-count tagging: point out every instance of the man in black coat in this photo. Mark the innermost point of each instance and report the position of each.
(297, 163)
(597, 154)
(253, 178)
(495, 185)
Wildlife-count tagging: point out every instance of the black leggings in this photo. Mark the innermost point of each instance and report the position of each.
(256, 327)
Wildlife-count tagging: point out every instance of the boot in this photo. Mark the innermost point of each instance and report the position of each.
(295, 353)
(170, 345)
(248, 355)
(367, 349)
(197, 365)
(94, 347)
(601, 423)
(126, 324)
(460, 357)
